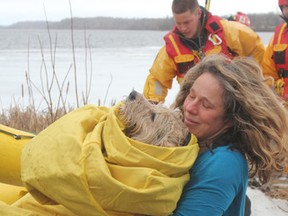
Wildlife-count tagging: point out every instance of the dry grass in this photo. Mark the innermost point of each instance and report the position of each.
(27, 119)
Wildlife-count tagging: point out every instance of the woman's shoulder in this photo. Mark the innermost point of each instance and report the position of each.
(222, 160)
(223, 151)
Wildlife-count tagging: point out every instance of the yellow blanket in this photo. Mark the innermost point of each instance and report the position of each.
(85, 162)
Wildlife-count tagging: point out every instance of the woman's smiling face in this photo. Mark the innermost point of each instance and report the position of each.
(204, 107)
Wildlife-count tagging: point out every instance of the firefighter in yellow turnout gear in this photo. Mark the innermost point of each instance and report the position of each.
(197, 33)
(275, 61)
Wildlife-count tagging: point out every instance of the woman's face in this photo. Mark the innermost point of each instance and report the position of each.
(204, 108)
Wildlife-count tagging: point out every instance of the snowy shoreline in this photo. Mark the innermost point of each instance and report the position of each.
(263, 205)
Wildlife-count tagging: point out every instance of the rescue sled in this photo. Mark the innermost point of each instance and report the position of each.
(11, 144)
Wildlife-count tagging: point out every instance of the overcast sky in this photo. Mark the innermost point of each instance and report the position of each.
(12, 11)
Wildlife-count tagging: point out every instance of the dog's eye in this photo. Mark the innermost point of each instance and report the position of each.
(153, 115)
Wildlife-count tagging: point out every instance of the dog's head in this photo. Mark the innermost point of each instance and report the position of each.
(153, 123)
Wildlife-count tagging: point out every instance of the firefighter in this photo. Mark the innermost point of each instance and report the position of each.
(197, 33)
(275, 61)
(240, 17)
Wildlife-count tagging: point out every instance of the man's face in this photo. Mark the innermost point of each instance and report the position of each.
(188, 23)
(285, 11)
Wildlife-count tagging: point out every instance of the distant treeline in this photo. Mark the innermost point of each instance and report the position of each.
(259, 22)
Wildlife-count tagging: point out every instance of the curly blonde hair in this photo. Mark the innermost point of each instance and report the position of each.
(260, 121)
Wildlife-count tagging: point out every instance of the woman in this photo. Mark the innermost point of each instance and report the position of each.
(242, 131)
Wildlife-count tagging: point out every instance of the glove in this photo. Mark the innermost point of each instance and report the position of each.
(279, 86)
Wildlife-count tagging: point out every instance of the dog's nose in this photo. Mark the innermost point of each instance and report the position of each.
(133, 95)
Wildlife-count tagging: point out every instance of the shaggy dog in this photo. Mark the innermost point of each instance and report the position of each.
(153, 123)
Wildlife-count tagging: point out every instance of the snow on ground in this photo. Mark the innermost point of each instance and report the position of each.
(263, 205)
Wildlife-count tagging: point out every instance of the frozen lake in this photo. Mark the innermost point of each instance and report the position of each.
(115, 62)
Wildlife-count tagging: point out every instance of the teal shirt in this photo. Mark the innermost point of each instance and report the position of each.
(217, 185)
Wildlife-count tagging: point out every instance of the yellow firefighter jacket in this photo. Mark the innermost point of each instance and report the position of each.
(240, 40)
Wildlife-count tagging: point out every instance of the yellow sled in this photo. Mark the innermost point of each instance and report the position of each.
(11, 144)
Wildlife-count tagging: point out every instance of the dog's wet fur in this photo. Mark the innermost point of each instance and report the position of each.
(153, 123)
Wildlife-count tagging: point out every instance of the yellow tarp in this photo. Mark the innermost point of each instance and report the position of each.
(85, 162)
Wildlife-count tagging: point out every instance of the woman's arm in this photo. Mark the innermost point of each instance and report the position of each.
(217, 185)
